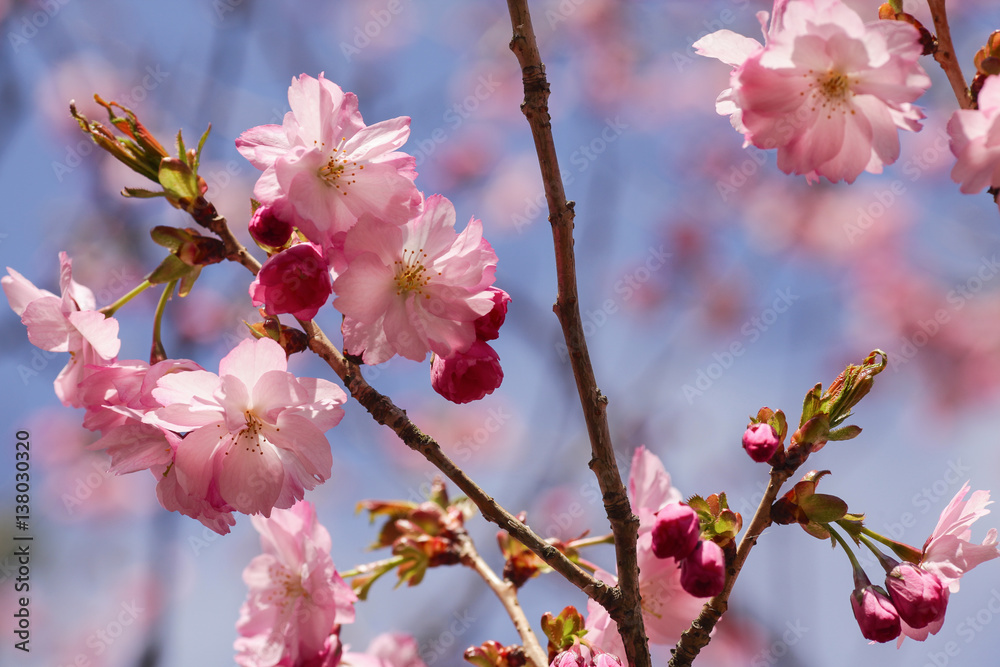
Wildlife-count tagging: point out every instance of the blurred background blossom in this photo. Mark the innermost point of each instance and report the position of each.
(711, 284)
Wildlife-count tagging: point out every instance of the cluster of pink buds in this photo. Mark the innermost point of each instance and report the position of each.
(678, 534)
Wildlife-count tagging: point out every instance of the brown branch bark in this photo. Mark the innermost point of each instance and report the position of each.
(626, 611)
(944, 54)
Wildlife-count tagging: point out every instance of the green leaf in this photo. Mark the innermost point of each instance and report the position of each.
(188, 280)
(823, 508)
(845, 433)
(201, 144)
(171, 268)
(177, 179)
(141, 193)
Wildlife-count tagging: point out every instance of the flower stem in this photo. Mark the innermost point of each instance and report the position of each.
(847, 547)
(136, 291)
(157, 353)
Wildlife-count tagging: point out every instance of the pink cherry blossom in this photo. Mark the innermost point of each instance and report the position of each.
(975, 141)
(255, 432)
(827, 90)
(488, 325)
(389, 649)
(66, 323)
(676, 532)
(467, 376)
(324, 168)
(760, 441)
(416, 288)
(919, 596)
(297, 600)
(667, 609)
(267, 229)
(295, 281)
(703, 571)
(875, 614)
(948, 552)
(580, 655)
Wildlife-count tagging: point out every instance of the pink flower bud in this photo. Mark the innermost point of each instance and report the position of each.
(875, 613)
(760, 441)
(918, 595)
(488, 325)
(296, 280)
(268, 230)
(467, 376)
(676, 532)
(703, 572)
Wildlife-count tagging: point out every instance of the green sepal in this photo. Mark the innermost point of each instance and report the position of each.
(844, 433)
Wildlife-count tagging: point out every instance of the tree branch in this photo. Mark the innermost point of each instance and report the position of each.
(944, 54)
(624, 524)
(506, 592)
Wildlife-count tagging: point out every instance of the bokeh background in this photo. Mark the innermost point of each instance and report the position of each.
(689, 248)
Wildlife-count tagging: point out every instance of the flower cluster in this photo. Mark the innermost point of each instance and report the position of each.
(915, 597)
(677, 535)
(827, 90)
(248, 439)
(406, 282)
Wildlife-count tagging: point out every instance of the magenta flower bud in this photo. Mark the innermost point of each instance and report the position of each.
(268, 230)
(918, 595)
(676, 532)
(296, 280)
(488, 325)
(467, 376)
(703, 572)
(875, 613)
(760, 441)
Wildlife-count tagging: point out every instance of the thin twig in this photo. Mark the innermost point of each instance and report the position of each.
(506, 592)
(624, 524)
(944, 54)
